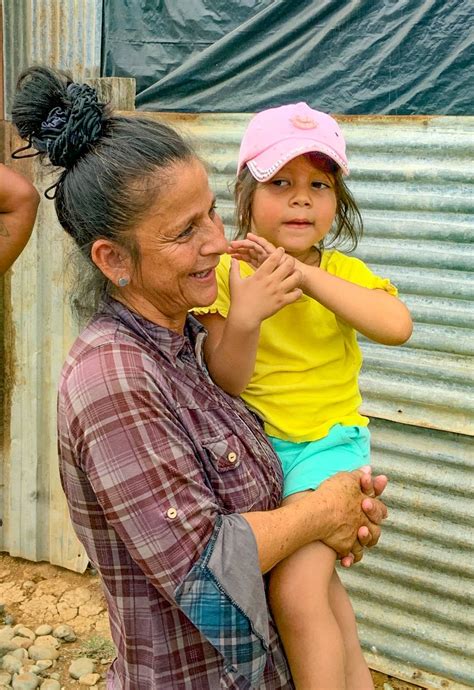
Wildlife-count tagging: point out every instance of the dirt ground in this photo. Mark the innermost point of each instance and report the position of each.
(37, 593)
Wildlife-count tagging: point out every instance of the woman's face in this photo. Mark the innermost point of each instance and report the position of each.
(180, 242)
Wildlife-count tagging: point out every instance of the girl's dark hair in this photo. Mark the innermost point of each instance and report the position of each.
(111, 162)
(348, 227)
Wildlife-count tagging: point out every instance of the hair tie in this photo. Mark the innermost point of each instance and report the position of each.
(69, 132)
(51, 192)
(29, 145)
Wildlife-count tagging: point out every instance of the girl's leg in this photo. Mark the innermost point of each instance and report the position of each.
(357, 673)
(299, 598)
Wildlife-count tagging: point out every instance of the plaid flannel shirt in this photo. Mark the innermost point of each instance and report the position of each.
(157, 462)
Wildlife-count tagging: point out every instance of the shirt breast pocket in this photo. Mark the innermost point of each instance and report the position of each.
(231, 472)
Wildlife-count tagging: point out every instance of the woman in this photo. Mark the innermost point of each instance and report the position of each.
(171, 484)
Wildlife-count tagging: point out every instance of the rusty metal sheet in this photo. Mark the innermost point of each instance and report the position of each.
(413, 593)
(65, 34)
(59, 33)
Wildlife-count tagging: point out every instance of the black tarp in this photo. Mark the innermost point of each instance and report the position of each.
(347, 56)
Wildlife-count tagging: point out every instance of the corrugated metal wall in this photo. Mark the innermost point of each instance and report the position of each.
(59, 33)
(64, 34)
(412, 177)
(413, 594)
(36, 523)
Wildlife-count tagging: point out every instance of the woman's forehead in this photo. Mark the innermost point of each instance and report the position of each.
(184, 192)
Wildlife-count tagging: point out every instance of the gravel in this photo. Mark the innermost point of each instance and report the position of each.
(28, 658)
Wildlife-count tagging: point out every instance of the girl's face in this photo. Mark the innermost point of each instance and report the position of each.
(296, 208)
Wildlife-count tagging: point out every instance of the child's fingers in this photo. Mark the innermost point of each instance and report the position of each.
(245, 250)
(285, 268)
(234, 275)
(242, 254)
(248, 258)
(273, 262)
(239, 244)
(291, 296)
(247, 244)
(291, 282)
(262, 242)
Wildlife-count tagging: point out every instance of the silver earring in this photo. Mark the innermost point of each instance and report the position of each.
(123, 281)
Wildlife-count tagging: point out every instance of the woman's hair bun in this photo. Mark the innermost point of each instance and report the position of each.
(57, 116)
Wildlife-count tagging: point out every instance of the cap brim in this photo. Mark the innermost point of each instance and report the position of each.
(264, 166)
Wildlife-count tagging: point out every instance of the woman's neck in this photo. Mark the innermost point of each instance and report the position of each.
(150, 312)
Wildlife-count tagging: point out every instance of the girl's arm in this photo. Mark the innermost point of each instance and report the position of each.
(230, 350)
(373, 312)
(231, 346)
(18, 204)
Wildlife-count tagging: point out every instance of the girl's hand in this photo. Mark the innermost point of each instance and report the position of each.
(273, 285)
(253, 249)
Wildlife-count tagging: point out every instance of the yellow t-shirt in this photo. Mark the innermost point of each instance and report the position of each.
(308, 361)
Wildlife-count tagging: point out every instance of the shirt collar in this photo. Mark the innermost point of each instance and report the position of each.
(170, 343)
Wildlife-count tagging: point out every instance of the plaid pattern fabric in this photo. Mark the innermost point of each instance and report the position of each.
(225, 625)
(155, 461)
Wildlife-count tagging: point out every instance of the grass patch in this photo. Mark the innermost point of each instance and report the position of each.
(98, 648)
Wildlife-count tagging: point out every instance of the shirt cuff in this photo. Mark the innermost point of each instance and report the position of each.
(224, 597)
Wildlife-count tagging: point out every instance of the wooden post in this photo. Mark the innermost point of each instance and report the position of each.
(118, 91)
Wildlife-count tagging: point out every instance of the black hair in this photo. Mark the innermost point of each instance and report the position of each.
(111, 162)
(348, 226)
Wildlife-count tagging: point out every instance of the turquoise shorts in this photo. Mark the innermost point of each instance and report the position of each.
(306, 465)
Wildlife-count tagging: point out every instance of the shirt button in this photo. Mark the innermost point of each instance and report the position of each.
(232, 457)
(171, 513)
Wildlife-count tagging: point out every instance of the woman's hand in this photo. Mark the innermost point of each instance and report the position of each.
(367, 536)
(333, 513)
(356, 519)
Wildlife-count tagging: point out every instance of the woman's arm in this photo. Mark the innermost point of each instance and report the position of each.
(334, 514)
(139, 481)
(18, 205)
(231, 345)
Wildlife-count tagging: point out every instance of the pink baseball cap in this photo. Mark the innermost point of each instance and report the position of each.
(276, 136)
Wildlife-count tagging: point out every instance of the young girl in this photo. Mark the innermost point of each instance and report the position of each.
(292, 354)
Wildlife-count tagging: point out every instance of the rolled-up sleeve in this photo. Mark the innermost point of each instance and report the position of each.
(144, 471)
(227, 602)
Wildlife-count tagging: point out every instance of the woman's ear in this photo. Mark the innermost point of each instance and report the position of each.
(112, 260)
